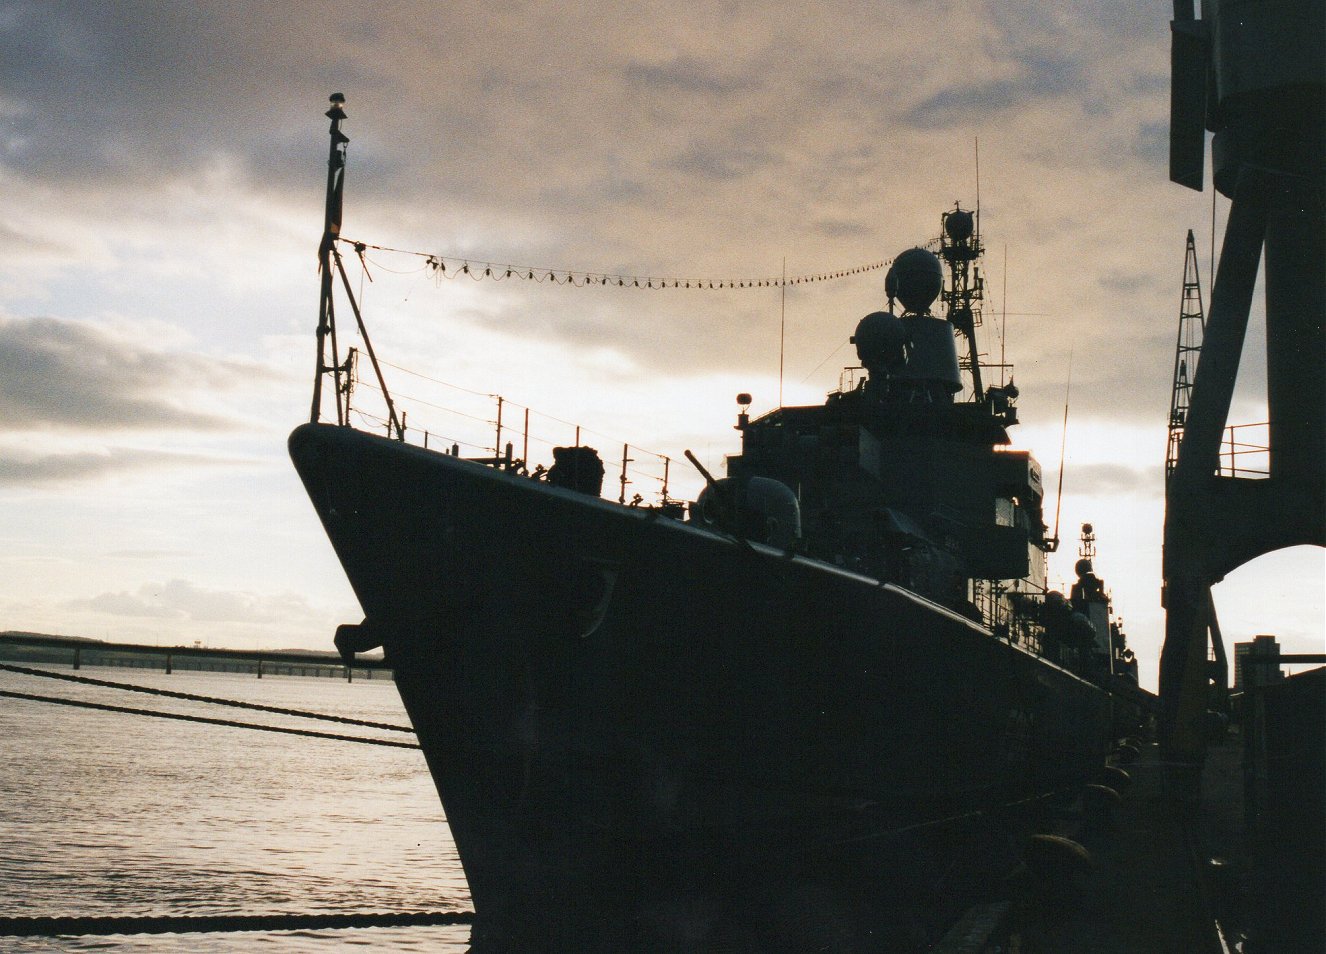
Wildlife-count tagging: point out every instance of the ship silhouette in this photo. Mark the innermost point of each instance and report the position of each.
(825, 696)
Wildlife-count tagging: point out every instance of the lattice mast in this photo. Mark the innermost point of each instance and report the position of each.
(960, 247)
(1192, 326)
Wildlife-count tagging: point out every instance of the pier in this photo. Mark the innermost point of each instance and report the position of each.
(65, 650)
(1239, 867)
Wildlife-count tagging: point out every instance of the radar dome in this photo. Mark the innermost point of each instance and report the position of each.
(959, 225)
(879, 341)
(919, 278)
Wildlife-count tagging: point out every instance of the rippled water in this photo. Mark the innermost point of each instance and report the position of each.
(111, 814)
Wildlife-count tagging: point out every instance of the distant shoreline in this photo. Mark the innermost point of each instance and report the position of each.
(74, 652)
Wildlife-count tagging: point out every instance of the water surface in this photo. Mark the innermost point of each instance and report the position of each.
(110, 814)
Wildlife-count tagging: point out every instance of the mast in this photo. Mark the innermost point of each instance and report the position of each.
(960, 246)
(331, 229)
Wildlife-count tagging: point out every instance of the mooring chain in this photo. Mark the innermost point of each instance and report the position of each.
(213, 700)
(307, 733)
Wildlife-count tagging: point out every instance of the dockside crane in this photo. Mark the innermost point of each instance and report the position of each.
(1253, 75)
(1187, 351)
(1192, 326)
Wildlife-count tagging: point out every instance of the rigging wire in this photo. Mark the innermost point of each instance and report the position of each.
(584, 431)
(828, 356)
(448, 384)
(418, 400)
(377, 421)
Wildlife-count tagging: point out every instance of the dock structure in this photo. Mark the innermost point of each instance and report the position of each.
(1138, 866)
(1248, 799)
(79, 652)
(1139, 887)
(1254, 75)
(1212, 838)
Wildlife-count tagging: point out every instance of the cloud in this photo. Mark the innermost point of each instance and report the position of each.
(183, 600)
(126, 604)
(71, 375)
(52, 468)
(147, 554)
(688, 75)
(719, 161)
(1111, 480)
(713, 144)
(129, 73)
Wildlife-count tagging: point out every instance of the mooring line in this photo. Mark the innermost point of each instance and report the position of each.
(307, 733)
(222, 923)
(213, 700)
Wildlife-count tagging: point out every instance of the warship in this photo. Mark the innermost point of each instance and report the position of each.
(811, 692)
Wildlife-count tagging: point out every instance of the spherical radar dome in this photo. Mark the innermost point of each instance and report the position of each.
(919, 278)
(959, 224)
(879, 339)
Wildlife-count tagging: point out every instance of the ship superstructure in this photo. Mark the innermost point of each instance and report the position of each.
(904, 474)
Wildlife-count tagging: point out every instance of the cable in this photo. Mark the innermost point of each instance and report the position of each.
(171, 694)
(446, 384)
(417, 400)
(307, 733)
(826, 358)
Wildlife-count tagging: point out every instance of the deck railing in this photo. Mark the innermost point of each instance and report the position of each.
(491, 429)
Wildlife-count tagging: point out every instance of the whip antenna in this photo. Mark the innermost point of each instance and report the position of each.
(782, 329)
(1063, 447)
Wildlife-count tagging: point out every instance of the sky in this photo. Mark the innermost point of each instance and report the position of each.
(163, 166)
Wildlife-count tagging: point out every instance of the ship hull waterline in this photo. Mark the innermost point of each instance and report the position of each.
(637, 721)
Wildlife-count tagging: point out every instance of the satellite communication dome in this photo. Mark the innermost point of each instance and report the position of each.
(959, 225)
(891, 284)
(919, 278)
(1082, 567)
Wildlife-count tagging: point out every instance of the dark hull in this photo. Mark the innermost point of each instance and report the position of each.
(638, 726)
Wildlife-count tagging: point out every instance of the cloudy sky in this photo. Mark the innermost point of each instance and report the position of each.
(162, 167)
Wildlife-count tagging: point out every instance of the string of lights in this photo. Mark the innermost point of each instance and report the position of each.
(453, 267)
